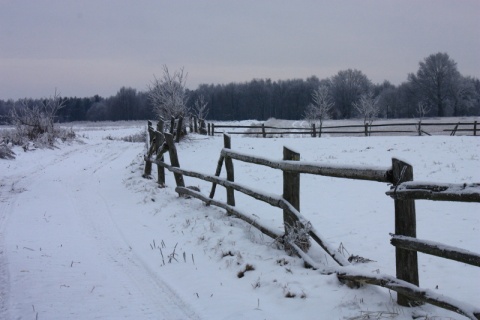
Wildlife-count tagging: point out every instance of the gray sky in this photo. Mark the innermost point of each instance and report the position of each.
(88, 47)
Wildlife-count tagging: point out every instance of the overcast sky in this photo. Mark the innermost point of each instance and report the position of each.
(88, 47)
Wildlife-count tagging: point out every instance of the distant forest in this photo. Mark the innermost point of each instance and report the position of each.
(437, 85)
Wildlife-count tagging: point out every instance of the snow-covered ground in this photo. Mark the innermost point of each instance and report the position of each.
(84, 236)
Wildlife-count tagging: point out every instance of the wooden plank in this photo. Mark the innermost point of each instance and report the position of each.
(275, 201)
(231, 210)
(356, 173)
(436, 191)
(355, 278)
(436, 249)
(413, 292)
(270, 132)
(217, 174)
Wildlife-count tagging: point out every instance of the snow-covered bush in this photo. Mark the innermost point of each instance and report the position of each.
(34, 122)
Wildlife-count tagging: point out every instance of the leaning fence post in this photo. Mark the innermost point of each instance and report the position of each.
(172, 150)
(405, 225)
(229, 168)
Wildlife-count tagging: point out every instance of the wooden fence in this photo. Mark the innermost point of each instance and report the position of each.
(299, 232)
(411, 128)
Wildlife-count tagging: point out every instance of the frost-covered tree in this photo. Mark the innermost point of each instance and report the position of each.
(367, 107)
(200, 109)
(319, 109)
(422, 109)
(168, 95)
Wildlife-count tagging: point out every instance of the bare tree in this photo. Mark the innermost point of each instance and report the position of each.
(422, 109)
(35, 121)
(168, 95)
(368, 108)
(321, 106)
(200, 109)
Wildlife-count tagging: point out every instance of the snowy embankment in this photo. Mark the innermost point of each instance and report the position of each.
(84, 236)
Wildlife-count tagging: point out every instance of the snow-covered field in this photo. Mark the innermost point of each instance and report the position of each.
(84, 236)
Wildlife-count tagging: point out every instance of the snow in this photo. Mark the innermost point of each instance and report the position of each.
(84, 236)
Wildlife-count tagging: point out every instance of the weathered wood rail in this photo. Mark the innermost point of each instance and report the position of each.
(413, 128)
(299, 231)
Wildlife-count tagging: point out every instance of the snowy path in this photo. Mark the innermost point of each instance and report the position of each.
(62, 254)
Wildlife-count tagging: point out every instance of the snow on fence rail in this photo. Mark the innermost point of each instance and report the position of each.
(366, 129)
(299, 231)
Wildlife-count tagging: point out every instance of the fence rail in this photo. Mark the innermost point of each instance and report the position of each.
(299, 231)
(418, 128)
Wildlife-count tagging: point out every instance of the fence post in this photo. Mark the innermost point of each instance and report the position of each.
(148, 165)
(291, 183)
(213, 129)
(172, 125)
(208, 128)
(202, 129)
(366, 129)
(172, 150)
(160, 170)
(179, 129)
(160, 125)
(420, 127)
(291, 193)
(229, 168)
(475, 128)
(314, 131)
(263, 131)
(405, 225)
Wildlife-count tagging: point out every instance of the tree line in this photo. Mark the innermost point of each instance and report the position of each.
(436, 89)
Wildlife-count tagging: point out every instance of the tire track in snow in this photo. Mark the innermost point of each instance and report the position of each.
(98, 214)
